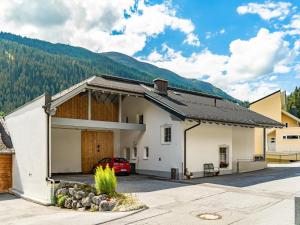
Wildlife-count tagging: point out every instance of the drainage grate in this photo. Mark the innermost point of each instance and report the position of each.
(209, 216)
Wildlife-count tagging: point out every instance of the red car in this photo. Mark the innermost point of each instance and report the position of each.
(120, 165)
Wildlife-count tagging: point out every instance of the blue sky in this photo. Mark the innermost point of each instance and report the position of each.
(247, 48)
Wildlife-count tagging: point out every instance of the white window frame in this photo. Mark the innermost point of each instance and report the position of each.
(134, 155)
(162, 134)
(145, 155)
(125, 153)
(227, 156)
(138, 118)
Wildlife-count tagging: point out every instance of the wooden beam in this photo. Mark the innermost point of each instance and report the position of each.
(120, 108)
(89, 105)
(95, 125)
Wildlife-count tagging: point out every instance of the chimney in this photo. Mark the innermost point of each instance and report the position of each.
(161, 86)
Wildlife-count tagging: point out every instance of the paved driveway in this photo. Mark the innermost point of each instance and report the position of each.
(263, 198)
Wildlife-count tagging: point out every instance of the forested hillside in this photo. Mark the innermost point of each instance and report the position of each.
(293, 102)
(30, 67)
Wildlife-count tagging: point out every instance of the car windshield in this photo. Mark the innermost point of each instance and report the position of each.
(105, 160)
(120, 160)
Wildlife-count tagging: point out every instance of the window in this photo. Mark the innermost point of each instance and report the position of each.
(286, 124)
(120, 160)
(146, 153)
(284, 137)
(223, 154)
(139, 119)
(273, 140)
(127, 153)
(166, 134)
(134, 153)
(292, 137)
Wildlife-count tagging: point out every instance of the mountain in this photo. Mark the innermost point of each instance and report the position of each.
(29, 67)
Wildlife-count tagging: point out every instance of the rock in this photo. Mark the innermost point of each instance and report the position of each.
(91, 195)
(103, 197)
(68, 203)
(72, 191)
(79, 195)
(79, 205)
(86, 202)
(94, 207)
(104, 206)
(112, 204)
(61, 191)
(74, 204)
(96, 200)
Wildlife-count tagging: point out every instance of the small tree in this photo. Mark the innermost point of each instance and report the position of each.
(105, 181)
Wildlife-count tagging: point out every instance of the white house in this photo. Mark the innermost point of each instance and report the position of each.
(154, 126)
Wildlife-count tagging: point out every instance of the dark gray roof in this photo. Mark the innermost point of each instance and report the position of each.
(211, 109)
(116, 84)
(6, 145)
(183, 103)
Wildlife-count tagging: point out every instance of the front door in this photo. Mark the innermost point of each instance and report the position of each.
(95, 145)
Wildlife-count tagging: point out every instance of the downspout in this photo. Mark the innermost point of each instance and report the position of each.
(186, 173)
(48, 173)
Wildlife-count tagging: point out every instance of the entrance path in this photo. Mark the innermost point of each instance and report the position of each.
(257, 198)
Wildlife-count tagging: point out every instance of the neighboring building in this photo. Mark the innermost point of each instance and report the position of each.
(152, 125)
(6, 151)
(285, 140)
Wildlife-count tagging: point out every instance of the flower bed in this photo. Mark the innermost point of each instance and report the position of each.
(84, 197)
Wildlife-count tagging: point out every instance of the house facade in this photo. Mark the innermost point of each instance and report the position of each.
(152, 125)
(282, 141)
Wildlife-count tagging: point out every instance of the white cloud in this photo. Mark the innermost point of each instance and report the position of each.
(93, 24)
(267, 10)
(257, 56)
(273, 78)
(239, 73)
(196, 65)
(192, 39)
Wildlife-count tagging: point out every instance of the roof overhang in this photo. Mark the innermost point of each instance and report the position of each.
(290, 115)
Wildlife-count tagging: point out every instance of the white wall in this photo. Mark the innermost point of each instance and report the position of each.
(162, 157)
(243, 147)
(28, 129)
(203, 144)
(65, 150)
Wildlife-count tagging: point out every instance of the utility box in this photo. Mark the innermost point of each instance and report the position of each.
(133, 168)
(174, 173)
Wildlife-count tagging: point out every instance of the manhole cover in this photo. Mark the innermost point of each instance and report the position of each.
(209, 216)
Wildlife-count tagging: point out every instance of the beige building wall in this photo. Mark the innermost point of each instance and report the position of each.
(287, 145)
(271, 107)
(291, 122)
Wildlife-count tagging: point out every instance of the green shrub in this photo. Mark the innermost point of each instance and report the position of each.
(61, 200)
(105, 181)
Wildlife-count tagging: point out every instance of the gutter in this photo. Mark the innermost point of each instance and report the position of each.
(186, 172)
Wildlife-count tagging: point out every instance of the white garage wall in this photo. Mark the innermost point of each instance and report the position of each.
(65, 150)
(162, 157)
(203, 144)
(28, 129)
(243, 147)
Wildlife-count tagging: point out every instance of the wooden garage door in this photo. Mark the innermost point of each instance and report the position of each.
(5, 172)
(95, 145)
